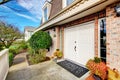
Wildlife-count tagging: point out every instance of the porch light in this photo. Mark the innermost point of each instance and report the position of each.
(54, 29)
(117, 10)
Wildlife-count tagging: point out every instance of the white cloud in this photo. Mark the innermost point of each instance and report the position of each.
(19, 14)
(27, 17)
(34, 6)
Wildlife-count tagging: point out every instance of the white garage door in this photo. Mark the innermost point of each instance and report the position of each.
(79, 42)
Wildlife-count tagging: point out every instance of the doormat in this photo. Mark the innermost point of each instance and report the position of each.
(73, 68)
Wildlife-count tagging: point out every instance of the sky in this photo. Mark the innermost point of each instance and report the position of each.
(22, 13)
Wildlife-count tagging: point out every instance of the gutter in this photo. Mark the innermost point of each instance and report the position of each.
(67, 8)
(63, 10)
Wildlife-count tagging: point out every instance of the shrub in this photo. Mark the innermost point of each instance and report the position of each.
(40, 40)
(1, 46)
(39, 57)
(18, 47)
(11, 57)
(14, 49)
(23, 45)
(30, 50)
(38, 43)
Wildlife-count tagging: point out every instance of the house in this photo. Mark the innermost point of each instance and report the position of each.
(28, 31)
(83, 29)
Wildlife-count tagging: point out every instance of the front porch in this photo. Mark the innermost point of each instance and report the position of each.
(48, 70)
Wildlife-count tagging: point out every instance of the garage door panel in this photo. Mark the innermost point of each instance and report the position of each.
(84, 37)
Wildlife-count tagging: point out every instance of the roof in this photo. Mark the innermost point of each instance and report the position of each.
(56, 6)
(77, 9)
(28, 28)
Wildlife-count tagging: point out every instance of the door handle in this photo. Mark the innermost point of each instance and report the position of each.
(75, 48)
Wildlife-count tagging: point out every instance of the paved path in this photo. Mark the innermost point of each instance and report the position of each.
(48, 70)
(19, 62)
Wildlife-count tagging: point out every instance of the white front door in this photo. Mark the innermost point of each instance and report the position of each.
(79, 42)
(70, 44)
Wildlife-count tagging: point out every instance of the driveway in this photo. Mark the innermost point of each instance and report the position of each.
(48, 70)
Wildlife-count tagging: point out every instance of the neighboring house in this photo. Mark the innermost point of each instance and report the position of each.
(28, 31)
(83, 29)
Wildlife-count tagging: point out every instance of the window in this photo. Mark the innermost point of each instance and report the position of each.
(103, 39)
(69, 2)
(65, 3)
(45, 14)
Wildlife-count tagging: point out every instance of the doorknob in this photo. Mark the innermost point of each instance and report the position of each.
(75, 48)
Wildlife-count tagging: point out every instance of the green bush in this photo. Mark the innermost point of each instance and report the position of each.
(39, 57)
(30, 50)
(11, 57)
(1, 46)
(23, 45)
(18, 47)
(14, 49)
(38, 43)
(97, 60)
(40, 40)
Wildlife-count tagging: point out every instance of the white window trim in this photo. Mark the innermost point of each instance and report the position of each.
(48, 6)
(64, 3)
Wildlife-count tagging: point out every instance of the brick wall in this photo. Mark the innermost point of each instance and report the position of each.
(113, 38)
(96, 36)
(88, 18)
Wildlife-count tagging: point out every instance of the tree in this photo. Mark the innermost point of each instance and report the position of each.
(4, 1)
(8, 34)
(40, 40)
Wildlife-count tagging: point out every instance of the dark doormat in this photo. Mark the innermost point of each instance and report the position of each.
(73, 68)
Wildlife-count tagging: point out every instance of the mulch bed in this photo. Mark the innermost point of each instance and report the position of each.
(75, 69)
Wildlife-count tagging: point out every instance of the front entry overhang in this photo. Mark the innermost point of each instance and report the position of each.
(78, 9)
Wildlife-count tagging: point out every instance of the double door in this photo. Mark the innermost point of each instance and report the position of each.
(79, 42)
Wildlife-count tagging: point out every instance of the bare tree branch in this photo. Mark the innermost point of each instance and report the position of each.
(8, 34)
(4, 1)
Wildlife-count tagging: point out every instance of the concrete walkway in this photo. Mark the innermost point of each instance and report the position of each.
(48, 70)
(19, 62)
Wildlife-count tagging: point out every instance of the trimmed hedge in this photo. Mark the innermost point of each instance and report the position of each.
(40, 40)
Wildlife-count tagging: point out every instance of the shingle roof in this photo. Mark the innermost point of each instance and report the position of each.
(56, 6)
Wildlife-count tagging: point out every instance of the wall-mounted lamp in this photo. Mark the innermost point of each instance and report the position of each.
(117, 10)
(54, 29)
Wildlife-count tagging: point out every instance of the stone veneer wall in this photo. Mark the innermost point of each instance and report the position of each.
(113, 38)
